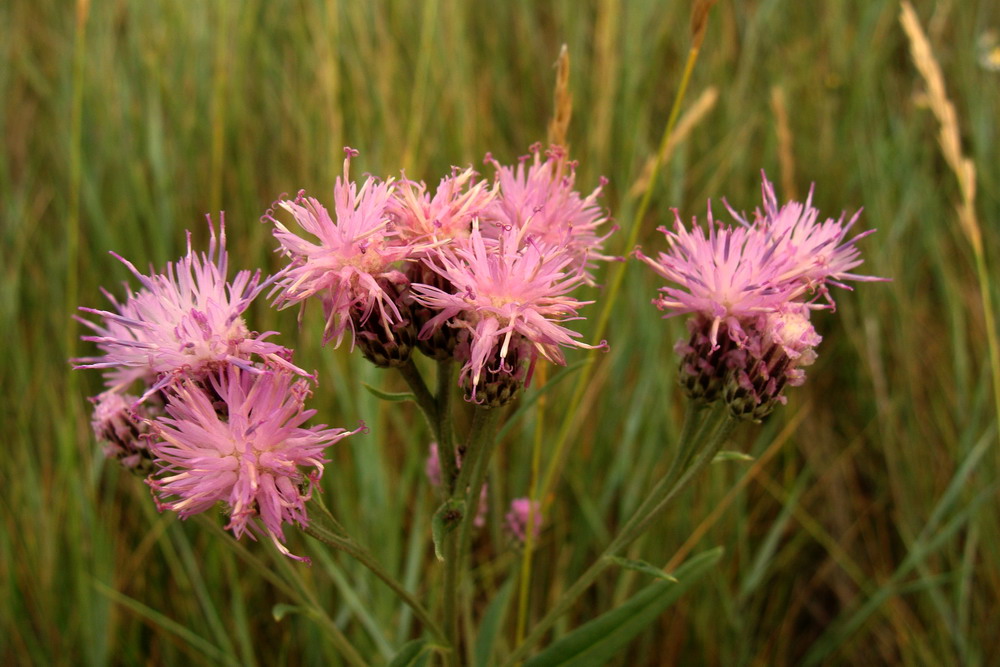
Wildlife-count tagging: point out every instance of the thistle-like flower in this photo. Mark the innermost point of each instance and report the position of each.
(750, 289)
(354, 265)
(446, 217)
(238, 439)
(538, 194)
(188, 320)
(509, 302)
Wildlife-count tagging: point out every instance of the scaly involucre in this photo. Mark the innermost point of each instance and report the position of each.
(509, 294)
(352, 260)
(539, 194)
(238, 439)
(185, 321)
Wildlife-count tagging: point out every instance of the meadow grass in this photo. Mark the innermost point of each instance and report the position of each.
(865, 532)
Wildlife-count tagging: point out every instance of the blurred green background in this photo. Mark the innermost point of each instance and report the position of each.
(867, 533)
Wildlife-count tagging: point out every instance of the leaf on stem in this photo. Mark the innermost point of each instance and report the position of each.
(446, 519)
(391, 396)
(729, 455)
(601, 639)
(282, 609)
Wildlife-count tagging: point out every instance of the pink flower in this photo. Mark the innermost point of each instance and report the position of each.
(524, 512)
(539, 195)
(509, 297)
(445, 217)
(353, 265)
(727, 275)
(187, 320)
(238, 439)
(751, 288)
(818, 252)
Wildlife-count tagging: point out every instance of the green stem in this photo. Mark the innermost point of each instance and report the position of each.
(446, 438)
(422, 395)
(326, 529)
(483, 456)
(617, 277)
(480, 438)
(716, 426)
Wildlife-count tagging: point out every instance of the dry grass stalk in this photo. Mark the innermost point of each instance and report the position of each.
(699, 21)
(562, 101)
(786, 157)
(944, 111)
(702, 106)
(965, 171)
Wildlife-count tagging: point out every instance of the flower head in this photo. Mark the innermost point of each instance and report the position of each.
(726, 275)
(238, 439)
(539, 194)
(187, 320)
(445, 217)
(353, 261)
(816, 252)
(510, 297)
(750, 289)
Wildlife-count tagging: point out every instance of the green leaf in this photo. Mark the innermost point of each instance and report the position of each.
(641, 566)
(445, 520)
(598, 641)
(282, 609)
(489, 628)
(413, 654)
(213, 653)
(394, 397)
(729, 455)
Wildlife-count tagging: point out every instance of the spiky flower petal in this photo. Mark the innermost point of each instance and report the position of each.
(751, 288)
(188, 320)
(355, 254)
(539, 194)
(509, 296)
(238, 439)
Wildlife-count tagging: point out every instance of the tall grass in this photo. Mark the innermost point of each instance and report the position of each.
(870, 534)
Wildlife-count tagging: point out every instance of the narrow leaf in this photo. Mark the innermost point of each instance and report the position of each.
(282, 609)
(413, 654)
(596, 642)
(641, 566)
(729, 455)
(489, 628)
(445, 520)
(394, 397)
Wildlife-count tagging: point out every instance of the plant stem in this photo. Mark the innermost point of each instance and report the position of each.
(715, 427)
(331, 533)
(524, 580)
(480, 438)
(424, 398)
(617, 277)
(446, 439)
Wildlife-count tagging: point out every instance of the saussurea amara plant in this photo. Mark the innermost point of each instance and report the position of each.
(479, 277)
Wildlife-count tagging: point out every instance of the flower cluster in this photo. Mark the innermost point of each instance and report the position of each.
(219, 411)
(478, 272)
(751, 288)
